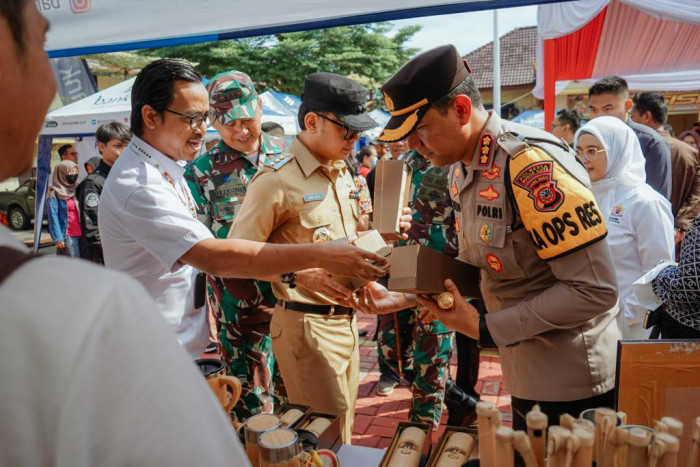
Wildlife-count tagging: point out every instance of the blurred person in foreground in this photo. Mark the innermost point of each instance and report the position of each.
(83, 374)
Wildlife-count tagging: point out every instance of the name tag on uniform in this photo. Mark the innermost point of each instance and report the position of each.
(314, 197)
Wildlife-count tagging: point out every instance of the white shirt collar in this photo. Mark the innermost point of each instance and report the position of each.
(144, 150)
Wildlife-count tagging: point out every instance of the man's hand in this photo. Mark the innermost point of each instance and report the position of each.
(60, 245)
(462, 318)
(321, 281)
(405, 223)
(375, 299)
(343, 259)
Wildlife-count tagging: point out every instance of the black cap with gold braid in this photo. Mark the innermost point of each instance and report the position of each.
(420, 82)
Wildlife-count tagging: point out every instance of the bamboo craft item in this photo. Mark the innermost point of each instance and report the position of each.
(521, 443)
(637, 454)
(505, 455)
(279, 448)
(583, 455)
(457, 449)
(318, 425)
(488, 420)
(536, 422)
(669, 425)
(605, 423)
(664, 451)
(408, 448)
(290, 417)
(694, 459)
(558, 438)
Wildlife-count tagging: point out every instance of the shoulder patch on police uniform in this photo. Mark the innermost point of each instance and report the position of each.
(558, 211)
(278, 161)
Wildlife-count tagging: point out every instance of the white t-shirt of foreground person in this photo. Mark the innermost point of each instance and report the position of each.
(147, 222)
(98, 378)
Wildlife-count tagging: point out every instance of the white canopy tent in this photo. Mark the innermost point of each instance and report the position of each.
(82, 27)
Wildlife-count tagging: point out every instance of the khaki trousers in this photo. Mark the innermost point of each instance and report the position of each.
(319, 360)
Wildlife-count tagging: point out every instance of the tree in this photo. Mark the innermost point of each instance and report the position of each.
(280, 62)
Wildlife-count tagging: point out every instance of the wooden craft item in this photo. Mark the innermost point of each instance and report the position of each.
(637, 454)
(278, 448)
(557, 440)
(664, 450)
(536, 422)
(522, 444)
(605, 423)
(583, 456)
(488, 420)
(290, 417)
(456, 451)
(408, 448)
(669, 425)
(254, 427)
(318, 425)
(694, 459)
(505, 454)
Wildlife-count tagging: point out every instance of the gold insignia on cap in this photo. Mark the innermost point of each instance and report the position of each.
(389, 102)
(399, 133)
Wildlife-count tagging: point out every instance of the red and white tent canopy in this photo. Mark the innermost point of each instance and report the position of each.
(596, 38)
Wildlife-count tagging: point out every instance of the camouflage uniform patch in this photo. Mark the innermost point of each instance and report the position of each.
(433, 225)
(243, 308)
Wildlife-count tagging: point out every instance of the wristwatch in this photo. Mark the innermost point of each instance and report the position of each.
(289, 279)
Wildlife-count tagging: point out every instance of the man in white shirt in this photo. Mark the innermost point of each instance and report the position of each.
(147, 217)
(78, 386)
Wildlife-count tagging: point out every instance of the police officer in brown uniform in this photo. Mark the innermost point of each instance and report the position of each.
(307, 195)
(527, 219)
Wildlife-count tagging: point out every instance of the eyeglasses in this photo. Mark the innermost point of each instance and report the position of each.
(554, 125)
(196, 120)
(349, 132)
(588, 154)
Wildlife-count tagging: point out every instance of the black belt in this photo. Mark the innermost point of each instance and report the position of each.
(330, 310)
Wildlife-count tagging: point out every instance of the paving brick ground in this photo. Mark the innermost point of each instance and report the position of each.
(376, 416)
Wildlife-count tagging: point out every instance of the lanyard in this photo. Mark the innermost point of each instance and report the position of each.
(188, 202)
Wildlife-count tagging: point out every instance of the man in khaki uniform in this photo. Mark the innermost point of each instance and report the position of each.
(307, 195)
(526, 217)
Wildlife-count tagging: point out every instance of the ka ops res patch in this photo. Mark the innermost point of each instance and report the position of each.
(558, 211)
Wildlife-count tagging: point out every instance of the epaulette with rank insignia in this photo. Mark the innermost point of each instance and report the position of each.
(279, 160)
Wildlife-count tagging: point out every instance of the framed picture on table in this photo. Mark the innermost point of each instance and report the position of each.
(659, 378)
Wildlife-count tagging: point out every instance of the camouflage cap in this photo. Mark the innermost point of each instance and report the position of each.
(232, 96)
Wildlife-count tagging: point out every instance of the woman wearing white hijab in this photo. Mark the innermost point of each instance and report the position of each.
(639, 220)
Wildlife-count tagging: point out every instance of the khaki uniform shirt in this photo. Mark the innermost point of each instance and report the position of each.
(527, 219)
(291, 199)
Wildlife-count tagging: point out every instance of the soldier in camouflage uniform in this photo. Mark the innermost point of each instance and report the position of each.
(218, 181)
(433, 225)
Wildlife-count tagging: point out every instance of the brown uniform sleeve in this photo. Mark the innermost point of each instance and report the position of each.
(586, 287)
(691, 205)
(263, 209)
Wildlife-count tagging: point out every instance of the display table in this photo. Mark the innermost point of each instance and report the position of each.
(359, 456)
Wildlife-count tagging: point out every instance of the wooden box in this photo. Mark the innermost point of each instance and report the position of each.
(330, 438)
(422, 270)
(306, 410)
(392, 189)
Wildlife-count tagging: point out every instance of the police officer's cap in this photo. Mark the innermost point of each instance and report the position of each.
(420, 82)
(328, 92)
